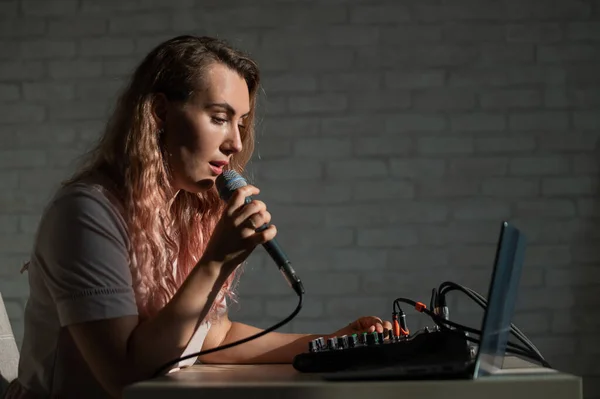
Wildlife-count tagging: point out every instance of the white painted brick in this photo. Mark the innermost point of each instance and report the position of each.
(48, 91)
(9, 50)
(358, 259)
(21, 27)
(586, 120)
(417, 168)
(77, 110)
(402, 211)
(445, 145)
(28, 224)
(343, 170)
(273, 105)
(471, 255)
(489, 166)
(390, 237)
(352, 36)
(510, 187)
(414, 79)
(379, 14)
(507, 54)
(350, 125)
(310, 192)
(505, 144)
(568, 186)
(473, 33)
(9, 8)
(510, 98)
(288, 82)
(310, 239)
(108, 89)
(119, 67)
(23, 159)
(106, 47)
(478, 122)
(349, 81)
(379, 101)
(448, 187)
(9, 92)
(381, 146)
(458, 12)
(339, 58)
(538, 121)
(574, 141)
(419, 257)
(353, 308)
(410, 34)
(49, 8)
(508, 76)
(146, 22)
(77, 27)
(282, 307)
(549, 208)
(576, 320)
(41, 179)
(581, 74)
(548, 165)
(75, 69)
(289, 127)
(273, 148)
(547, 255)
(290, 169)
(9, 179)
(47, 49)
(291, 36)
(583, 275)
(377, 190)
(534, 32)
(567, 53)
(9, 224)
(443, 99)
(583, 30)
(588, 207)
(22, 112)
(481, 210)
(322, 283)
(21, 70)
(327, 148)
(414, 123)
(324, 103)
(14, 244)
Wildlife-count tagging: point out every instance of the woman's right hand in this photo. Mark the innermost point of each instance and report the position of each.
(235, 236)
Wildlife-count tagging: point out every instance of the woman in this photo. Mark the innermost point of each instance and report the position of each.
(136, 254)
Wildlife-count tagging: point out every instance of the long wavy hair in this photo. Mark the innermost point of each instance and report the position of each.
(167, 236)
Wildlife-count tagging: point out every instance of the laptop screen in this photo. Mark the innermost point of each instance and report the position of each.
(501, 300)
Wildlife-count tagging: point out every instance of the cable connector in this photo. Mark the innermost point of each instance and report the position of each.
(441, 308)
(399, 324)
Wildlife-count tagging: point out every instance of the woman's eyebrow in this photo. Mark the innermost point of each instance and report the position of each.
(226, 106)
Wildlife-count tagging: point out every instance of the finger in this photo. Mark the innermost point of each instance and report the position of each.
(244, 212)
(379, 327)
(259, 220)
(387, 325)
(265, 235)
(239, 196)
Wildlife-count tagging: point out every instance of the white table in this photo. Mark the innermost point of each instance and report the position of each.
(519, 380)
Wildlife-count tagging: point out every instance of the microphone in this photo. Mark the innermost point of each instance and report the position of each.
(229, 181)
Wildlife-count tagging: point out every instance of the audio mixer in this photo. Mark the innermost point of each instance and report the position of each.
(375, 350)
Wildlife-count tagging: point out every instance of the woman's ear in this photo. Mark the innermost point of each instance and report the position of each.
(159, 110)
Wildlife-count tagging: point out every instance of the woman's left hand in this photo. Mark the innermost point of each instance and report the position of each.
(365, 324)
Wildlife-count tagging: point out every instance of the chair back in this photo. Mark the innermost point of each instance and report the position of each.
(9, 352)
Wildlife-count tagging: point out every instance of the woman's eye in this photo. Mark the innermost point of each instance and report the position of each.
(218, 120)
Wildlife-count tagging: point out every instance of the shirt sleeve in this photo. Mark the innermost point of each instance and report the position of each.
(82, 252)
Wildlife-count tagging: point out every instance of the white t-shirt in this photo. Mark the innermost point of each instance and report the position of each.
(79, 271)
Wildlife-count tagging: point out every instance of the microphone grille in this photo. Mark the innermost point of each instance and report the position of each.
(229, 181)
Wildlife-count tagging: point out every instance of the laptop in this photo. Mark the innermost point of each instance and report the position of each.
(495, 329)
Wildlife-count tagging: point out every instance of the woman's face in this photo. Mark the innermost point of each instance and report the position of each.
(202, 134)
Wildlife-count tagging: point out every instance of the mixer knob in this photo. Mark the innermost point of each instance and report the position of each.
(353, 340)
(372, 338)
(363, 338)
(313, 346)
(320, 343)
(331, 344)
(342, 342)
(380, 337)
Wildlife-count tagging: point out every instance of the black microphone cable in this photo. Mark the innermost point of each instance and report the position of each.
(167, 365)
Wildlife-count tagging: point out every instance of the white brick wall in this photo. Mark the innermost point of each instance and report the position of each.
(395, 136)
